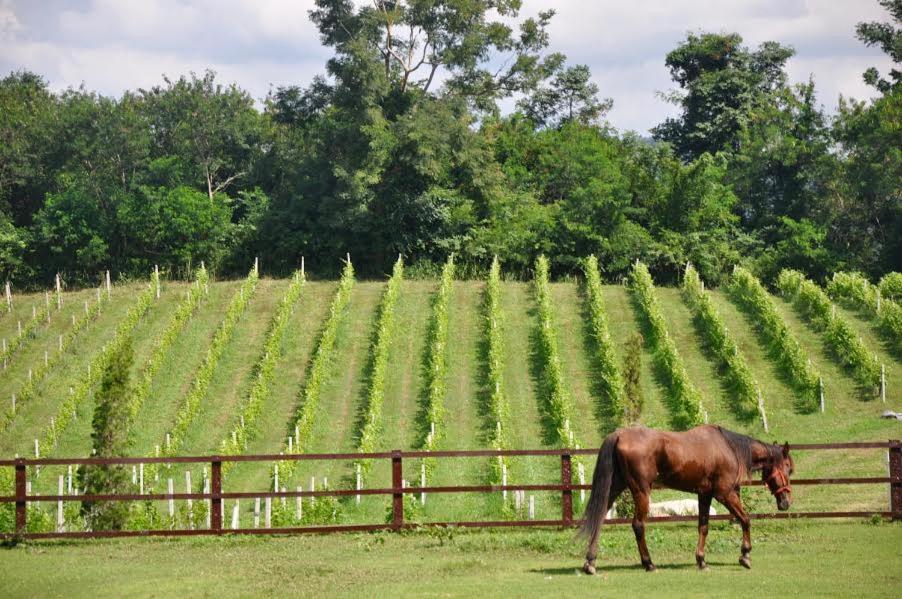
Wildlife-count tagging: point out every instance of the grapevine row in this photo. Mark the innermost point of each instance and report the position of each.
(27, 332)
(264, 373)
(684, 400)
(748, 292)
(854, 290)
(559, 406)
(319, 370)
(814, 305)
(612, 403)
(91, 377)
(435, 386)
(183, 313)
(204, 374)
(375, 394)
(747, 401)
(499, 408)
(30, 388)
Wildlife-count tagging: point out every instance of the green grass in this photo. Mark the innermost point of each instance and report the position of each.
(835, 559)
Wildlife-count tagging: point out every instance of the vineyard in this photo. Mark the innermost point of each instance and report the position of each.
(300, 365)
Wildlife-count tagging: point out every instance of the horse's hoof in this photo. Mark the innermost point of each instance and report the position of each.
(745, 563)
(703, 567)
(589, 568)
(650, 568)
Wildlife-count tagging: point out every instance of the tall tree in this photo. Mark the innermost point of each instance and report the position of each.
(887, 37)
(569, 96)
(720, 82)
(110, 439)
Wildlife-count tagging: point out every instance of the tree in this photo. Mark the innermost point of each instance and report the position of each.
(632, 379)
(214, 128)
(110, 439)
(569, 96)
(888, 37)
(720, 82)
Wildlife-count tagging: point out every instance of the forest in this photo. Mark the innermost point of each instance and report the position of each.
(402, 147)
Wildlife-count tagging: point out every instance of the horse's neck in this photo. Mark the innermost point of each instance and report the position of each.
(761, 455)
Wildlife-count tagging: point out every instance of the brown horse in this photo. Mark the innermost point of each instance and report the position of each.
(707, 460)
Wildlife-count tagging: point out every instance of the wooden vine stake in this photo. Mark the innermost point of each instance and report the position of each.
(59, 506)
(235, 513)
(883, 382)
(109, 287)
(9, 298)
(762, 411)
(821, 388)
(59, 293)
(156, 271)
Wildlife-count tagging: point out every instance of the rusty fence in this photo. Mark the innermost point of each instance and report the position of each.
(565, 487)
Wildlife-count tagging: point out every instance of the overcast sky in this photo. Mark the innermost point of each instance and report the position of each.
(113, 45)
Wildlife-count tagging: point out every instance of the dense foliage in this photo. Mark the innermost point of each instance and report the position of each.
(402, 149)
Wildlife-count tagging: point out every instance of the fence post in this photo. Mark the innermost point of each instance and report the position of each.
(216, 490)
(566, 494)
(895, 487)
(21, 504)
(397, 490)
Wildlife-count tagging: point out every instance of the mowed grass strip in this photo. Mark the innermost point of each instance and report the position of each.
(819, 559)
(297, 346)
(176, 373)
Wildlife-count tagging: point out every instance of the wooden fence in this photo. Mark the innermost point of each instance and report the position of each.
(397, 491)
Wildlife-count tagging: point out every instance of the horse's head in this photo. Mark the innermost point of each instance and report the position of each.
(776, 477)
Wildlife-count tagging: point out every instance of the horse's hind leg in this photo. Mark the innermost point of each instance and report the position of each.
(641, 498)
(704, 506)
(617, 486)
(734, 504)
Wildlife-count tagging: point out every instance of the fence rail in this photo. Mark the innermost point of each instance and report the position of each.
(566, 487)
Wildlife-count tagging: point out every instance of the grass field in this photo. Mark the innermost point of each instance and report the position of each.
(472, 559)
(798, 558)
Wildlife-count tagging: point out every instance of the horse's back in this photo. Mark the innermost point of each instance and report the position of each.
(684, 460)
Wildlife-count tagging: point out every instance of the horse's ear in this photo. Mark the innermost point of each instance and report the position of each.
(786, 450)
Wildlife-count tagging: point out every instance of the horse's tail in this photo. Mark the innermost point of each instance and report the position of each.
(597, 507)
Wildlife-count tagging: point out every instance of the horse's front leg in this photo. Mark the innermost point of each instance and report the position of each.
(640, 499)
(734, 504)
(704, 506)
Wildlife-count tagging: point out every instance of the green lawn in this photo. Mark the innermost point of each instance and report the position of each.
(799, 558)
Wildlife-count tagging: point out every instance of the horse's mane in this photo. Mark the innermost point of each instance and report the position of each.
(742, 448)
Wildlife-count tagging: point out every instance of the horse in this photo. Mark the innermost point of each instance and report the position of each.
(707, 460)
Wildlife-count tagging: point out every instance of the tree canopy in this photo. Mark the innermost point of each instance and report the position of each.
(402, 146)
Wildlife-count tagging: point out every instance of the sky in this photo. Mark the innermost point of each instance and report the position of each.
(113, 45)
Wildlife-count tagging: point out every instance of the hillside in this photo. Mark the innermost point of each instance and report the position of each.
(849, 414)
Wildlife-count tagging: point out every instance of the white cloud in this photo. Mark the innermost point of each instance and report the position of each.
(113, 45)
